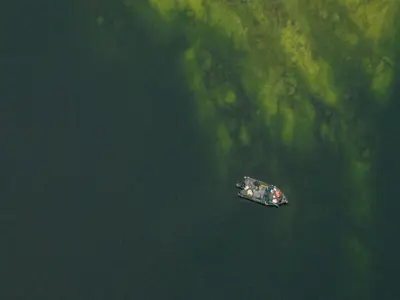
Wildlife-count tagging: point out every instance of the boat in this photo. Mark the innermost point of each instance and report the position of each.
(261, 192)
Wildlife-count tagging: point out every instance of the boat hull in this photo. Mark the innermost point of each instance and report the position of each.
(258, 190)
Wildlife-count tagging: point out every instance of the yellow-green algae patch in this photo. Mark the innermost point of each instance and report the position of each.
(382, 79)
(289, 80)
(376, 19)
(224, 139)
(287, 116)
(327, 133)
(230, 97)
(372, 17)
(361, 206)
(316, 71)
(244, 137)
(305, 114)
(268, 95)
(165, 7)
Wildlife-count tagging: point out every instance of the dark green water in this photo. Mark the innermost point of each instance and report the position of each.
(111, 191)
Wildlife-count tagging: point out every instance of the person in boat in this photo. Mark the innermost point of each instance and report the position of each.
(272, 195)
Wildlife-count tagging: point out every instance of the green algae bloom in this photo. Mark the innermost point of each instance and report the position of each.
(281, 76)
(291, 75)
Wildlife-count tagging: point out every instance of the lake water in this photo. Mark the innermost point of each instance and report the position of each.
(114, 194)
